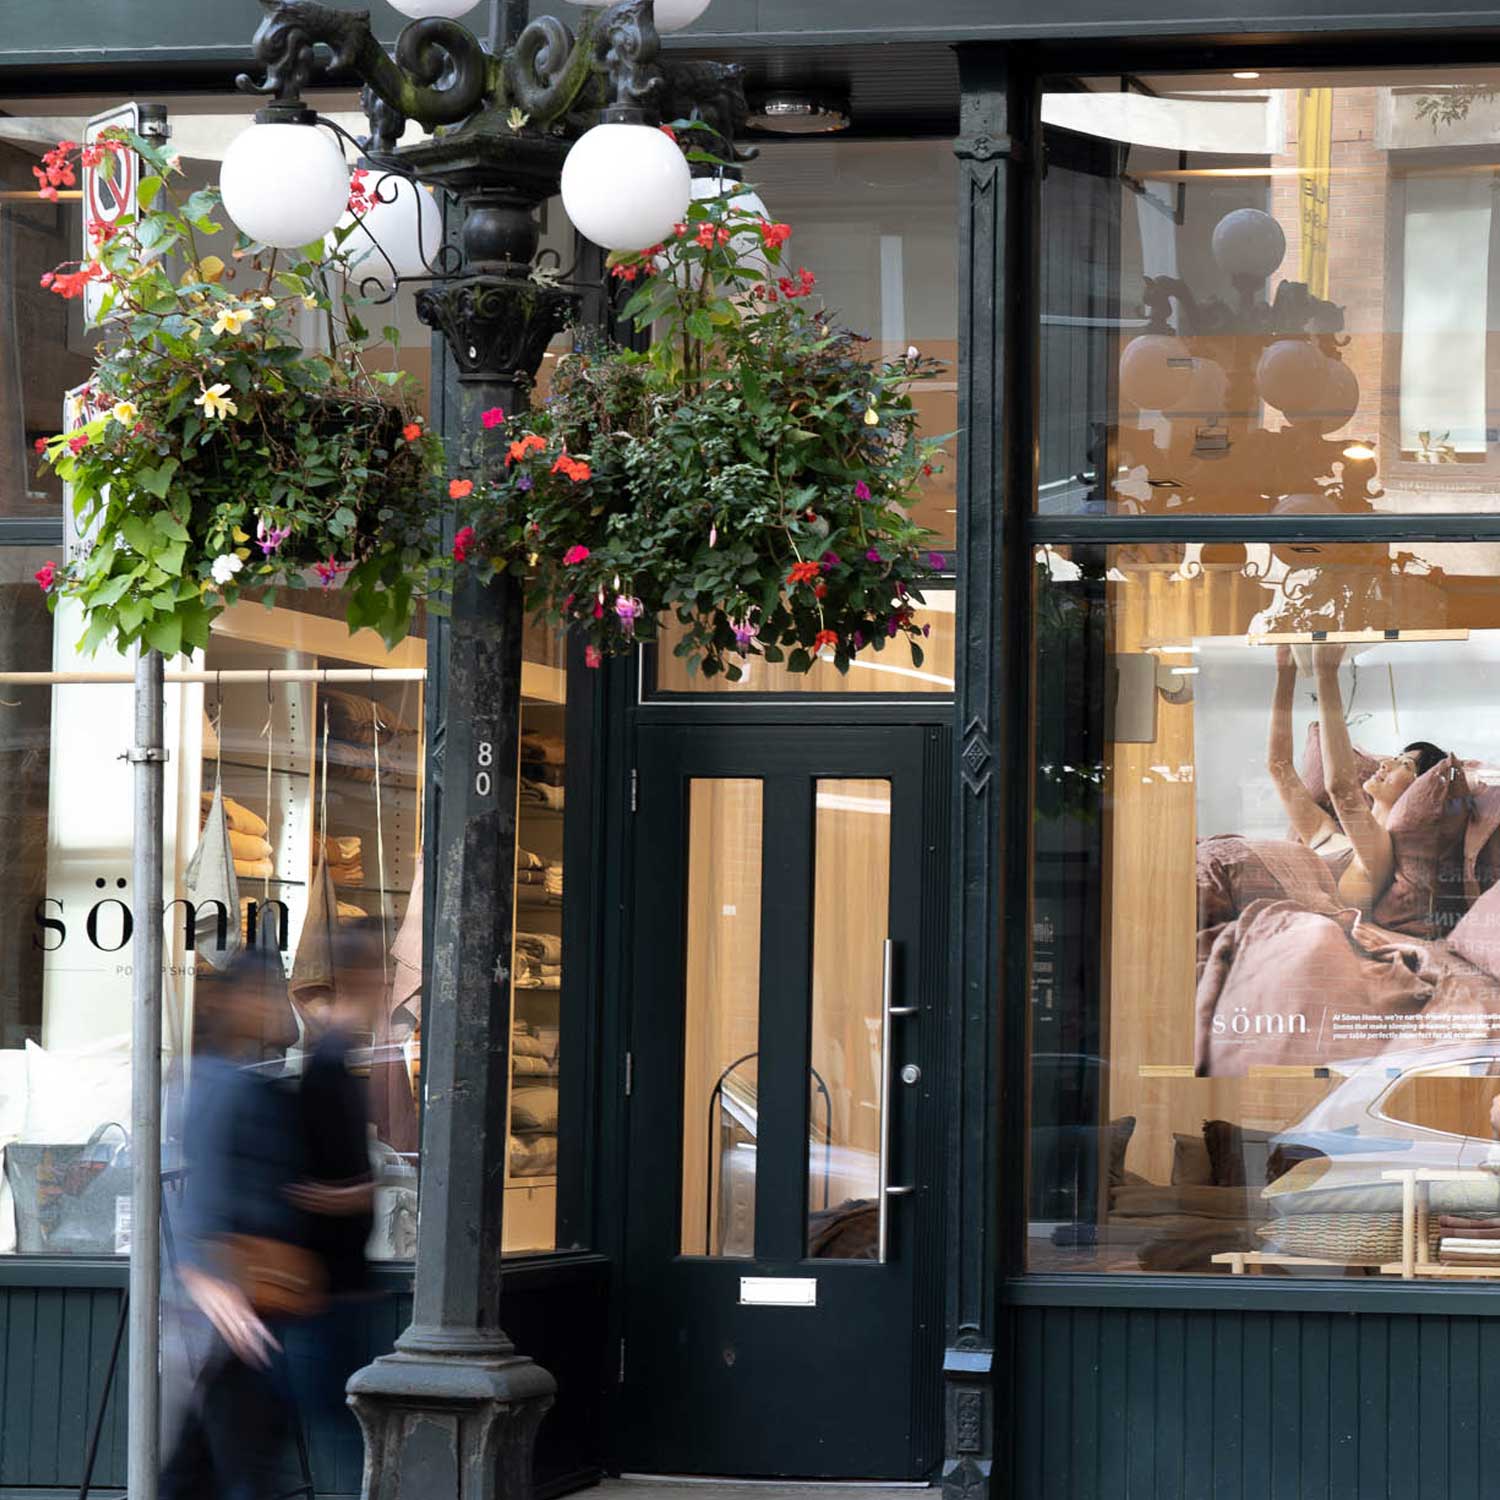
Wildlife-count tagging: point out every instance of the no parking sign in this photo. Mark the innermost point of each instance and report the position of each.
(109, 190)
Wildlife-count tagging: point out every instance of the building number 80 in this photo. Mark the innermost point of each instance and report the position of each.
(486, 758)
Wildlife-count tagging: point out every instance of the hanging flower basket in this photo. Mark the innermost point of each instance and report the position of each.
(219, 454)
(752, 476)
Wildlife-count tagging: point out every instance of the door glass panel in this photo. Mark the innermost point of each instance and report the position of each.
(722, 1024)
(851, 895)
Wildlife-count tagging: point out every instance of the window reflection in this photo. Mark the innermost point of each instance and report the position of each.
(1284, 296)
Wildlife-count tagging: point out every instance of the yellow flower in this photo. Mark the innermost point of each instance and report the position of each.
(215, 403)
(872, 418)
(309, 302)
(195, 331)
(269, 303)
(125, 413)
(232, 319)
(240, 535)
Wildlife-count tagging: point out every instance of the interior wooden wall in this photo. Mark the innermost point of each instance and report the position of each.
(851, 896)
(722, 1000)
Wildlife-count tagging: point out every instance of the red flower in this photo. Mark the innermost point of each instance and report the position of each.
(926, 471)
(824, 638)
(78, 442)
(670, 134)
(460, 489)
(591, 656)
(494, 417)
(70, 284)
(574, 468)
(463, 539)
(774, 234)
(40, 445)
(524, 445)
(710, 235)
(803, 572)
(361, 199)
(575, 555)
(45, 575)
(412, 431)
(820, 589)
(624, 272)
(798, 286)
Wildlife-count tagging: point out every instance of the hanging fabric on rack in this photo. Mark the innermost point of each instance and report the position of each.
(210, 882)
(407, 949)
(312, 968)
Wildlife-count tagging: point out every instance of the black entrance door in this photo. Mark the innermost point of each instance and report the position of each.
(784, 1103)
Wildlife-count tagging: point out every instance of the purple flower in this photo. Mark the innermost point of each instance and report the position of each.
(830, 561)
(927, 630)
(936, 560)
(872, 555)
(892, 625)
(523, 482)
(270, 538)
(744, 634)
(861, 490)
(626, 610)
(859, 640)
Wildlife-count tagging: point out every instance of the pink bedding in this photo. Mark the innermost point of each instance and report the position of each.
(1286, 975)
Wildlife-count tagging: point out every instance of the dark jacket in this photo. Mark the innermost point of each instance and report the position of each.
(335, 1112)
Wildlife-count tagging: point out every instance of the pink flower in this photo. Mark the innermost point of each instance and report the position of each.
(463, 539)
(861, 490)
(270, 538)
(46, 575)
(936, 560)
(328, 572)
(872, 555)
(40, 445)
(494, 417)
(626, 611)
(591, 656)
(575, 554)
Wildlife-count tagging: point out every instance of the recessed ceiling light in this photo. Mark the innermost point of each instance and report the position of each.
(1247, 75)
(788, 113)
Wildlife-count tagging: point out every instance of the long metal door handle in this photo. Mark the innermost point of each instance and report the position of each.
(887, 1013)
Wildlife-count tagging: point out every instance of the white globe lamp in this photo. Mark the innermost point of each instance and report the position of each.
(1249, 242)
(671, 15)
(404, 222)
(1301, 382)
(284, 185)
(625, 185)
(1156, 372)
(446, 10)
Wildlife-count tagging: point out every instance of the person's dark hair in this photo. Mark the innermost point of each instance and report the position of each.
(1428, 755)
(223, 999)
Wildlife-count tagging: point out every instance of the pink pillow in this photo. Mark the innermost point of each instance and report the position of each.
(1427, 836)
(1482, 841)
(1312, 768)
(1233, 871)
(1477, 937)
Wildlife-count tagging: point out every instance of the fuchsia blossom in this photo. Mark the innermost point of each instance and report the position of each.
(463, 539)
(269, 538)
(936, 560)
(744, 634)
(591, 656)
(830, 561)
(328, 572)
(861, 490)
(872, 555)
(494, 417)
(627, 610)
(574, 555)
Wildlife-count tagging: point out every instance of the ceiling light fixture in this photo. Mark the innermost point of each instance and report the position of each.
(1246, 75)
(786, 113)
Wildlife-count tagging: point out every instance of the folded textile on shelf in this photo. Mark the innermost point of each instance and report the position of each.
(343, 850)
(351, 874)
(534, 1156)
(545, 947)
(1457, 1250)
(359, 719)
(531, 877)
(526, 860)
(255, 869)
(239, 817)
(524, 1044)
(552, 880)
(398, 757)
(250, 846)
(523, 1063)
(545, 749)
(549, 775)
(349, 912)
(539, 794)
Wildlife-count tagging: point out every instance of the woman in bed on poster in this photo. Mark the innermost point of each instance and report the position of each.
(1354, 840)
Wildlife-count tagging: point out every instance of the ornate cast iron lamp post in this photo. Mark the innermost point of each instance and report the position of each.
(454, 1409)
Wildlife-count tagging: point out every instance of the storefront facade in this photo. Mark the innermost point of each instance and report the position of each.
(1011, 1072)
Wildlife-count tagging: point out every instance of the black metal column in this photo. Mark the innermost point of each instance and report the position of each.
(998, 138)
(454, 1411)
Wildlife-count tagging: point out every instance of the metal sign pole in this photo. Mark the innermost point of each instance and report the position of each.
(148, 757)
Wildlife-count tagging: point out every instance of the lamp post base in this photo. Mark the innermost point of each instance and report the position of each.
(450, 1426)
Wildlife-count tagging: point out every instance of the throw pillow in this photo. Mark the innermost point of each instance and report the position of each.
(1191, 1164)
(1312, 768)
(1118, 1134)
(70, 1094)
(1427, 836)
(1238, 1156)
(1477, 937)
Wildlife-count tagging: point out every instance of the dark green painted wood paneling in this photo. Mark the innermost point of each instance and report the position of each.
(1144, 1404)
(54, 1354)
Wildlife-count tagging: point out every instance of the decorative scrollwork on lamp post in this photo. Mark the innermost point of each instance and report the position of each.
(453, 1410)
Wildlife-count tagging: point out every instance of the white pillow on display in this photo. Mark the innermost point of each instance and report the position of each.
(70, 1094)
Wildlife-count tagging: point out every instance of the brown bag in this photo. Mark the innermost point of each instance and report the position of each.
(280, 1280)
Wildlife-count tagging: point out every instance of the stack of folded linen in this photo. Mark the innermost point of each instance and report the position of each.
(538, 960)
(354, 726)
(253, 856)
(345, 859)
(543, 759)
(1458, 1250)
